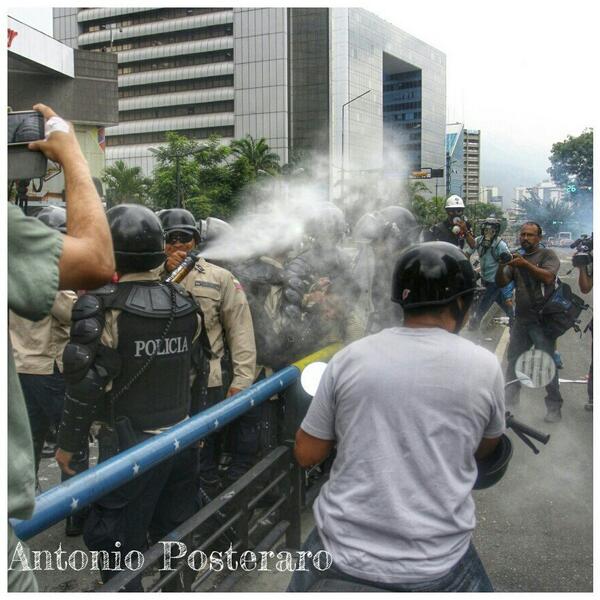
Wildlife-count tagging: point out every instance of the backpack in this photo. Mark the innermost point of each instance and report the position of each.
(561, 311)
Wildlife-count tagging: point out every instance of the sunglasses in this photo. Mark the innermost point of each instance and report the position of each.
(183, 237)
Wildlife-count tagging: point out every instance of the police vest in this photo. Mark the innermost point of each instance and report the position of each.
(159, 395)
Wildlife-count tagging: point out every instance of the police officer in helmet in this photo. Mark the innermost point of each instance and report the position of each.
(230, 331)
(411, 410)
(127, 365)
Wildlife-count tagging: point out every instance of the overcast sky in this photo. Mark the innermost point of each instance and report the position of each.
(521, 71)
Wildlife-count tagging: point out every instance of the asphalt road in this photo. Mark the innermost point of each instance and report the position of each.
(535, 528)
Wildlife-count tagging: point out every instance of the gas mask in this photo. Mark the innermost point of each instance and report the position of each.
(456, 228)
(489, 233)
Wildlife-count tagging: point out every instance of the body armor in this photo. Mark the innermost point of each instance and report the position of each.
(149, 369)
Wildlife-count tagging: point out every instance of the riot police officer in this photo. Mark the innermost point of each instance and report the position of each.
(382, 236)
(127, 365)
(318, 285)
(231, 334)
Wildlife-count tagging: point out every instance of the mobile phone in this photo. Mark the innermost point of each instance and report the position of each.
(25, 126)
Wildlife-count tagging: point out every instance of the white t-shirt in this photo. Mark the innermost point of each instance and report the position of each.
(407, 408)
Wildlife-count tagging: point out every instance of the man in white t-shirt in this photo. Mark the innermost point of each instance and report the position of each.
(410, 409)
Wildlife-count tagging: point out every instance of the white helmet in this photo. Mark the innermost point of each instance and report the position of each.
(454, 201)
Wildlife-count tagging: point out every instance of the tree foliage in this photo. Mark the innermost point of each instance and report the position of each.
(211, 175)
(552, 215)
(125, 184)
(572, 160)
(257, 153)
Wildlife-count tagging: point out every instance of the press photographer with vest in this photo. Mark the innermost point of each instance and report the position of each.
(489, 247)
(534, 271)
(132, 348)
(397, 511)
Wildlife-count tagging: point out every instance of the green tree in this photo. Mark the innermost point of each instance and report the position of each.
(209, 181)
(257, 153)
(176, 154)
(552, 215)
(125, 184)
(572, 160)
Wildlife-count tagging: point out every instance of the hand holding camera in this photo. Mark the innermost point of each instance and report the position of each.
(583, 255)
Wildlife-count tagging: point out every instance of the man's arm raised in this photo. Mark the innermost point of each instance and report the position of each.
(87, 259)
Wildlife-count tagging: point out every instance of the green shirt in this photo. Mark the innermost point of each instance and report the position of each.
(33, 254)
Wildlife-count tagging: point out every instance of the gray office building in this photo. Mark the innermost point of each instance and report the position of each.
(290, 75)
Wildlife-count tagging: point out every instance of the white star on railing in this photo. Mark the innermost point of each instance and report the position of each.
(176, 444)
(136, 469)
(216, 423)
(252, 402)
(74, 504)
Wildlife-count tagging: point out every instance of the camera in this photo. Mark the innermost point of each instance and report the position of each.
(583, 255)
(24, 127)
(504, 257)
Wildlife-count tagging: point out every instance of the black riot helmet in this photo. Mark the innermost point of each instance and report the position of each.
(55, 217)
(179, 219)
(138, 238)
(212, 229)
(400, 225)
(432, 274)
(369, 228)
(492, 468)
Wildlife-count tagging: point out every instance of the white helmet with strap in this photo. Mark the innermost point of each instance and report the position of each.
(454, 201)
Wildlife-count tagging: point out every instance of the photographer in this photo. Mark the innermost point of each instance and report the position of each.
(584, 262)
(490, 247)
(534, 270)
(41, 261)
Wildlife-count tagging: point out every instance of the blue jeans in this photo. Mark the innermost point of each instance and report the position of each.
(492, 294)
(468, 575)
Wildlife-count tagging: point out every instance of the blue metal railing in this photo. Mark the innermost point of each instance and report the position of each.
(72, 495)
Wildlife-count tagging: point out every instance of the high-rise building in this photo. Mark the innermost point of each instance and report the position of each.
(455, 163)
(545, 191)
(290, 75)
(472, 152)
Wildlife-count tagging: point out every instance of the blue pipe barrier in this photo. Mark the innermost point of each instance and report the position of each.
(83, 489)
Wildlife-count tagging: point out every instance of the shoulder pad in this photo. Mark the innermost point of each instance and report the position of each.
(152, 301)
(298, 267)
(88, 305)
(259, 272)
(105, 290)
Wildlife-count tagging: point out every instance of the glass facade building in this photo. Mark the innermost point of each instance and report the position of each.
(287, 74)
(455, 164)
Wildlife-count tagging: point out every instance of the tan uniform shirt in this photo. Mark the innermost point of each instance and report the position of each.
(37, 345)
(228, 320)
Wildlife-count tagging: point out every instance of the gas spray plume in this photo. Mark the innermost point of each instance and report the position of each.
(276, 209)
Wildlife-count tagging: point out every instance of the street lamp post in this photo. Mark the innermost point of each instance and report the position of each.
(343, 164)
